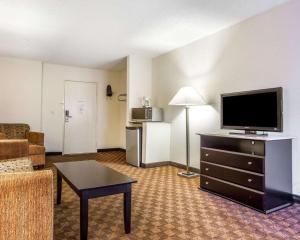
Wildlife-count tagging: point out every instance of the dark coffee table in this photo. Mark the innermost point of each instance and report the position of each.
(91, 179)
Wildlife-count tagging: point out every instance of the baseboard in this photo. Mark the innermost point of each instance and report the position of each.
(296, 198)
(98, 150)
(151, 165)
(111, 149)
(156, 164)
(169, 163)
(179, 165)
(53, 153)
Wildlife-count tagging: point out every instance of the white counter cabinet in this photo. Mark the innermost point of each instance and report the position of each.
(156, 143)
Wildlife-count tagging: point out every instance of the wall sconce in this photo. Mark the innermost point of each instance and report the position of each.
(109, 92)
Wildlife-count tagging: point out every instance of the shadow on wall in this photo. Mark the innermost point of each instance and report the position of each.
(196, 65)
(201, 116)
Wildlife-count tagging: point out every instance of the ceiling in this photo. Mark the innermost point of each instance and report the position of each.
(100, 33)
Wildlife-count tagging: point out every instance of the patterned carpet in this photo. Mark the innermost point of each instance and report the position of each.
(165, 206)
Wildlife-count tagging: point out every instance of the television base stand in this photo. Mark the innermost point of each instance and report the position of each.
(228, 162)
(250, 132)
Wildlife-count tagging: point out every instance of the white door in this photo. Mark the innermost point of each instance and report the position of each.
(80, 117)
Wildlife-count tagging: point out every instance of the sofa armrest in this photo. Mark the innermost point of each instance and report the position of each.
(26, 205)
(13, 148)
(2, 135)
(35, 138)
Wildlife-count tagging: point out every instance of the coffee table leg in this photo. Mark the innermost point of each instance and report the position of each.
(58, 189)
(84, 212)
(127, 211)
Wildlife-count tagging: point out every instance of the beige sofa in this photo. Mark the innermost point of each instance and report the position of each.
(26, 196)
(36, 149)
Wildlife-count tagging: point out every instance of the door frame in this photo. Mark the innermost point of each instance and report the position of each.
(64, 112)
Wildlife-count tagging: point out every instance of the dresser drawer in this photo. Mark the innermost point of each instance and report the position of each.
(239, 177)
(244, 196)
(249, 146)
(242, 161)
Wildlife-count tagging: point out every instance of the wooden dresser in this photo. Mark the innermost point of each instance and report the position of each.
(251, 170)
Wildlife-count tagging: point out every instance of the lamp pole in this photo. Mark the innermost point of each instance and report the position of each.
(187, 97)
(187, 130)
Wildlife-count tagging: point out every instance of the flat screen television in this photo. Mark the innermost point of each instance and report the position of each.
(258, 110)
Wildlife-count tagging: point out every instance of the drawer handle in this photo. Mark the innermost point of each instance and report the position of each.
(206, 169)
(249, 163)
(206, 154)
(206, 183)
(249, 180)
(252, 142)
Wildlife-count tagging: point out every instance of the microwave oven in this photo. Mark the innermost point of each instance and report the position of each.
(149, 114)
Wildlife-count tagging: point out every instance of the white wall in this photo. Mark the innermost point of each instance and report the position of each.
(261, 52)
(33, 93)
(139, 78)
(20, 92)
(113, 122)
(122, 108)
(108, 121)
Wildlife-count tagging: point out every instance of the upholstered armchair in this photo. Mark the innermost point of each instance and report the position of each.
(26, 196)
(26, 210)
(36, 149)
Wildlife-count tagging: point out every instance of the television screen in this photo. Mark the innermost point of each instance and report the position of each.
(253, 110)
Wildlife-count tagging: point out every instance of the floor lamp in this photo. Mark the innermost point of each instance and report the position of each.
(187, 97)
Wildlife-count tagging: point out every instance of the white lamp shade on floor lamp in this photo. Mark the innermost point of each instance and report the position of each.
(187, 96)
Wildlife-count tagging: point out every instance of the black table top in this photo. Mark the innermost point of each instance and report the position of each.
(91, 174)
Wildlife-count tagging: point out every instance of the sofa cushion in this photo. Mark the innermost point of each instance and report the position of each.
(13, 148)
(16, 165)
(14, 130)
(36, 149)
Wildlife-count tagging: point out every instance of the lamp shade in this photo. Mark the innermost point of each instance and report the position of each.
(187, 96)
